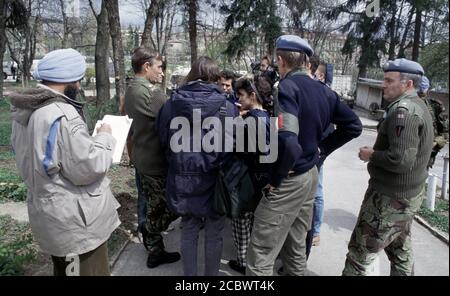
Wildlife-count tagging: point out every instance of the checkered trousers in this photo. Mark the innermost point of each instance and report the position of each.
(242, 229)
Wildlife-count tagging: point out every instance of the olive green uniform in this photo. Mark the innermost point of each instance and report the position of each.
(398, 173)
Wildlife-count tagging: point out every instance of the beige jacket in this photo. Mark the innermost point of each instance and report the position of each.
(70, 205)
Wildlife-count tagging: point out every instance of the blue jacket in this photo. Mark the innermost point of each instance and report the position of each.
(316, 107)
(192, 175)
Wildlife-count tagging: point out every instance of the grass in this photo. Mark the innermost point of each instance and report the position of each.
(6, 155)
(438, 218)
(9, 176)
(5, 123)
(16, 246)
(12, 187)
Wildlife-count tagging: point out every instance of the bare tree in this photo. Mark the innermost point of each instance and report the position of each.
(3, 17)
(164, 23)
(101, 56)
(152, 12)
(192, 8)
(417, 29)
(112, 6)
(403, 43)
(65, 24)
(22, 41)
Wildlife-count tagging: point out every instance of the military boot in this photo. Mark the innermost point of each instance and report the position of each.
(162, 257)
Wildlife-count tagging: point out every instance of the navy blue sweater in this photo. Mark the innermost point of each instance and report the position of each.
(316, 107)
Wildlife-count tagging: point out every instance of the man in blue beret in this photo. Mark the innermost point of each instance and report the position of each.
(305, 110)
(397, 166)
(71, 208)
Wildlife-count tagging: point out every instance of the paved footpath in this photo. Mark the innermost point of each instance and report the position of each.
(345, 181)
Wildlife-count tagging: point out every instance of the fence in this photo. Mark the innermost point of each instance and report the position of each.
(432, 184)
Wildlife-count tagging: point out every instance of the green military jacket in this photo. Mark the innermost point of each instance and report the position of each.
(402, 149)
(143, 100)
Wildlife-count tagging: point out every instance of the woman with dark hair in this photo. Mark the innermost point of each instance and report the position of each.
(193, 172)
(255, 99)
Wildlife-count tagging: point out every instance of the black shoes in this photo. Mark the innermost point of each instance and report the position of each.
(233, 264)
(162, 258)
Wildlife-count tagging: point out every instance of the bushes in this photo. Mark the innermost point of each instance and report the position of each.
(5, 123)
(13, 192)
(11, 186)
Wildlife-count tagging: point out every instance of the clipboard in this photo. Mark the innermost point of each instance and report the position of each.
(120, 126)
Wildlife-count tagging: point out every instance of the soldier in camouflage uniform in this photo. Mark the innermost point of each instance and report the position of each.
(440, 120)
(143, 100)
(397, 166)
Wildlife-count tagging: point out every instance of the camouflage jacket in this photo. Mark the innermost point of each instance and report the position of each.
(440, 122)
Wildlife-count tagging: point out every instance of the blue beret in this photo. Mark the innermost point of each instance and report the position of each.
(403, 66)
(294, 43)
(424, 84)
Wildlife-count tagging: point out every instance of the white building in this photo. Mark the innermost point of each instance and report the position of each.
(73, 8)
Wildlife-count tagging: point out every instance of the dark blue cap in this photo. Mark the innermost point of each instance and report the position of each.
(403, 66)
(294, 43)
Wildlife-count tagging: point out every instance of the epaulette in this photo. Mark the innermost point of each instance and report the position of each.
(412, 107)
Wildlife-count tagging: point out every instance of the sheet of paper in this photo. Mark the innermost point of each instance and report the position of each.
(120, 126)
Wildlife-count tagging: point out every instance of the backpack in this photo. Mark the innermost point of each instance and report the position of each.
(234, 187)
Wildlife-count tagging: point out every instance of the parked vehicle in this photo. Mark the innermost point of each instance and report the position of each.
(6, 70)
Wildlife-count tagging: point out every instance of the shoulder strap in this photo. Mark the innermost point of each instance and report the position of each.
(411, 106)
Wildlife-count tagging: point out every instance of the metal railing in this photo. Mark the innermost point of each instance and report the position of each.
(432, 184)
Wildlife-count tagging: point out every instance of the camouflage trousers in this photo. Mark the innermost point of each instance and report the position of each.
(384, 223)
(159, 216)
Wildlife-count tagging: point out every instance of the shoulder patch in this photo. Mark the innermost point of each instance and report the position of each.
(400, 120)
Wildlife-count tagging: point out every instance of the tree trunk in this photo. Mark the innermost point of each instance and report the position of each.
(101, 58)
(65, 24)
(401, 52)
(392, 29)
(2, 40)
(417, 28)
(168, 29)
(423, 30)
(192, 11)
(362, 71)
(30, 46)
(112, 7)
(152, 12)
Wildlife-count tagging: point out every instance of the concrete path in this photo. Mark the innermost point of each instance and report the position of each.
(17, 210)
